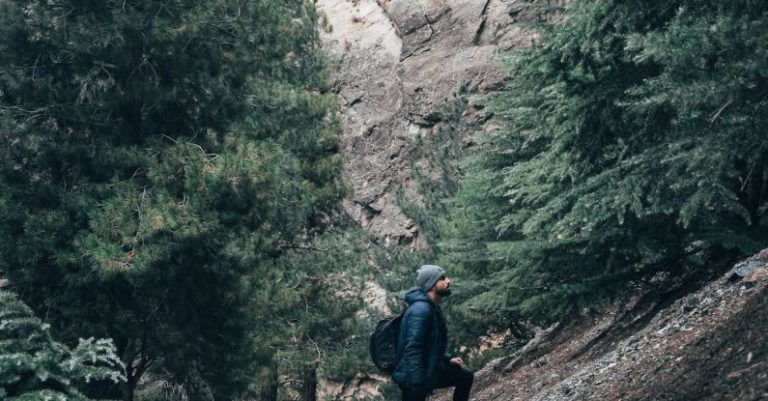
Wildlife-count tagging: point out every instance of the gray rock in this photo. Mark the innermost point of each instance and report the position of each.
(748, 268)
(399, 62)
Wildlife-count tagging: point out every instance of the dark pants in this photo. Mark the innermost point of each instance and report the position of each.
(449, 377)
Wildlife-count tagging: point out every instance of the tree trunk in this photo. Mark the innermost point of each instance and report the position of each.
(757, 195)
(127, 390)
(309, 384)
(268, 389)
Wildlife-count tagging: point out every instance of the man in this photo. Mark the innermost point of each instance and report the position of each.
(424, 363)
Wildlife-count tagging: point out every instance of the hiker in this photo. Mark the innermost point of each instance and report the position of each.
(424, 363)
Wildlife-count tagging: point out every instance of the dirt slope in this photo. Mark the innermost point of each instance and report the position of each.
(706, 344)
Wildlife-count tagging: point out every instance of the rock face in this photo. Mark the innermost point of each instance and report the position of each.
(399, 61)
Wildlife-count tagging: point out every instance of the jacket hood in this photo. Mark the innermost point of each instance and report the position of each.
(416, 294)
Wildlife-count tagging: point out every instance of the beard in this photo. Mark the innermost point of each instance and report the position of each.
(443, 292)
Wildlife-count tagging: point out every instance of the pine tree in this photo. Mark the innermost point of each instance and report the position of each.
(157, 156)
(35, 367)
(324, 335)
(634, 144)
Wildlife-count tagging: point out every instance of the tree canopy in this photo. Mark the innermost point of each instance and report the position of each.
(634, 144)
(157, 156)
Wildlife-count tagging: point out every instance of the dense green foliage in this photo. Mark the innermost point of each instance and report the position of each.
(157, 158)
(34, 367)
(432, 166)
(322, 336)
(635, 144)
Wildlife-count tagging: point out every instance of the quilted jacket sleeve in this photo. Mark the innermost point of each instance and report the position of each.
(417, 325)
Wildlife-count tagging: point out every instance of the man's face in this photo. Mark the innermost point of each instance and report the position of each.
(443, 286)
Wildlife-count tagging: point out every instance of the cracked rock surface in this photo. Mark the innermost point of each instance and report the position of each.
(399, 61)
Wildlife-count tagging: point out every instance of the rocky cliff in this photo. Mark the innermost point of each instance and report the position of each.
(399, 61)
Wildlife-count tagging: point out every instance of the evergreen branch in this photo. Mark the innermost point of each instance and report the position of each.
(304, 247)
(22, 111)
(716, 114)
(752, 169)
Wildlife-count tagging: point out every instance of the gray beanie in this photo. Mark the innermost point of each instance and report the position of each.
(428, 275)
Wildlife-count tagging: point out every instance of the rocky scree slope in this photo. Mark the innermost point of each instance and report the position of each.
(707, 344)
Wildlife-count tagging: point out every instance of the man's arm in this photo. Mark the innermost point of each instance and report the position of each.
(419, 320)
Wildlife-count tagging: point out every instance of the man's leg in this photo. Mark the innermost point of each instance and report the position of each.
(459, 377)
(409, 395)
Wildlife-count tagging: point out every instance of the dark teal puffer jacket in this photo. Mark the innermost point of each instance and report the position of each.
(422, 345)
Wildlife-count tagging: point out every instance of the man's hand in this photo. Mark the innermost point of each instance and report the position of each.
(456, 362)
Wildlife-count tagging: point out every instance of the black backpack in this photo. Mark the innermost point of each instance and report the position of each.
(383, 345)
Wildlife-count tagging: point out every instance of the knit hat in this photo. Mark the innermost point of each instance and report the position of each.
(428, 275)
